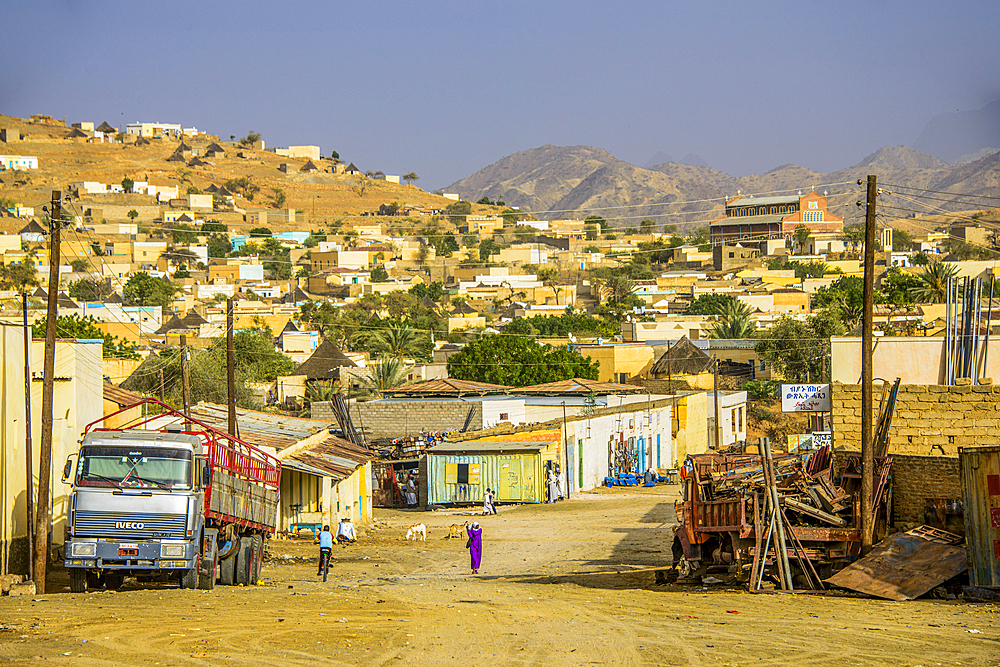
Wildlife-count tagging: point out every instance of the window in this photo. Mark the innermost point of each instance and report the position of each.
(504, 416)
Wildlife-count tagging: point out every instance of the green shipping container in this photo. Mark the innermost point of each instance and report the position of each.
(460, 472)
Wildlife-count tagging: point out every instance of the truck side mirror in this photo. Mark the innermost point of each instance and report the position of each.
(206, 476)
(67, 469)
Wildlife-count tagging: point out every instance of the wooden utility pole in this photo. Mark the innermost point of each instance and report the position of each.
(161, 385)
(230, 368)
(867, 333)
(41, 555)
(27, 429)
(718, 426)
(185, 382)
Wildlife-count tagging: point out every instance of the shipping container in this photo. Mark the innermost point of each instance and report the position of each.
(980, 468)
(460, 472)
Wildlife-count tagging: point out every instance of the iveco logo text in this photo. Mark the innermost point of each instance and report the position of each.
(129, 525)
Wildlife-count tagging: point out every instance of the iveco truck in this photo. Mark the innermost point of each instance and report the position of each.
(168, 499)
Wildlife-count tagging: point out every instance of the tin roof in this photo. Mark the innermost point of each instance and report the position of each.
(491, 446)
(262, 429)
(578, 386)
(332, 457)
(119, 396)
(763, 201)
(448, 387)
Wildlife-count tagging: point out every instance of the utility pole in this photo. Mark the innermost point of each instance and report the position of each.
(867, 333)
(718, 426)
(27, 429)
(42, 518)
(161, 385)
(185, 383)
(230, 368)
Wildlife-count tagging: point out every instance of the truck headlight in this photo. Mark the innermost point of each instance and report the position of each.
(85, 549)
(171, 551)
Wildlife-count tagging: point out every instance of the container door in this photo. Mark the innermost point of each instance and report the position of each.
(981, 495)
(514, 478)
(503, 477)
(529, 488)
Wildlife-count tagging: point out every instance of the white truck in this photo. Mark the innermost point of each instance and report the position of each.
(183, 502)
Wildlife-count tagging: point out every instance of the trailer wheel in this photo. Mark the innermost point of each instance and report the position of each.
(78, 580)
(258, 558)
(244, 561)
(206, 582)
(189, 578)
(227, 569)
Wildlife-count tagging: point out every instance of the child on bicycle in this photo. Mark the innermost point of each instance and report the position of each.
(325, 547)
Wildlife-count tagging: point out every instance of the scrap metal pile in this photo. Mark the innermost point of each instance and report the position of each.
(783, 518)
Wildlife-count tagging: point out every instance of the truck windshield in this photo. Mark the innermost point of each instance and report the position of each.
(134, 467)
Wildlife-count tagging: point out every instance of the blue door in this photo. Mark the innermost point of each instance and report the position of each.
(658, 450)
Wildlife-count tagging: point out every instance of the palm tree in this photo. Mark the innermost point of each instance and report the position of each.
(734, 321)
(933, 287)
(617, 288)
(386, 373)
(397, 341)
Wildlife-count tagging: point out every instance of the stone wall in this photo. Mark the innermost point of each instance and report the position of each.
(396, 419)
(930, 420)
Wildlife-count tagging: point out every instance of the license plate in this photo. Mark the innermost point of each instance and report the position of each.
(128, 545)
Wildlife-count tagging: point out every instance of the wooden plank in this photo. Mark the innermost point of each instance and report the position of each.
(813, 512)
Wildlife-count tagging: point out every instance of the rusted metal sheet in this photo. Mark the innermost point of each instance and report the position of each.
(980, 468)
(903, 566)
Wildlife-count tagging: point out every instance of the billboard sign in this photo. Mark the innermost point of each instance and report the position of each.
(805, 397)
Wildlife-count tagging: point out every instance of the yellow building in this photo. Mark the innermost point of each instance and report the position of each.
(619, 361)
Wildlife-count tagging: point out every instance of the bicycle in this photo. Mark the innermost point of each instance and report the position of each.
(324, 562)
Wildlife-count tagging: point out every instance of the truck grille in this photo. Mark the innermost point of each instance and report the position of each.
(129, 526)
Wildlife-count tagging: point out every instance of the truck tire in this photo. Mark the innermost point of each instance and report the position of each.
(206, 582)
(189, 578)
(244, 561)
(78, 580)
(258, 557)
(227, 569)
(114, 581)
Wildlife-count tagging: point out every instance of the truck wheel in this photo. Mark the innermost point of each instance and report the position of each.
(113, 581)
(206, 582)
(244, 561)
(189, 578)
(227, 569)
(78, 580)
(258, 557)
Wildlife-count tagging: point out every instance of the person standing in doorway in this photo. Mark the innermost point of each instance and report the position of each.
(553, 490)
(475, 544)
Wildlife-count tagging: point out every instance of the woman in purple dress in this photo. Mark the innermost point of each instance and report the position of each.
(475, 544)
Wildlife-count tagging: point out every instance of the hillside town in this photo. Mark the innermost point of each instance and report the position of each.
(391, 349)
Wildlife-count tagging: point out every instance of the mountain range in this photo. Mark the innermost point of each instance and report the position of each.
(556, 182)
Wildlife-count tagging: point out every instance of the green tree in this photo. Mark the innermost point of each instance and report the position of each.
(401, 341)
(86, 328)
(260, 232)
(132, 214)
(192, 190)
(733, 321)
(902, 240)
(898, 286)
(249, 140)
(18, 276)
(845, 296)
(411, 177)
(799, 350)
(143, 289)
(801, 235)
(933, 283)
(213, 226)
(88, 289)
(386, 373)
(335, 155)
(591, 248)
(710, 304)
(647, 226)
(127, 184)
(219, 245)
(379, 274)
(184, 234)
(854, 236)
(79, 265)
(590, 232)
(279, 197)
(597, 220)
(518, 361)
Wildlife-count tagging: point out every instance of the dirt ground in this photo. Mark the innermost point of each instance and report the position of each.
(536, 600)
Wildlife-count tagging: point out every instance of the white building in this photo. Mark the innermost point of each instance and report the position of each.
(153, 129)
(732, 415)
(18, 162)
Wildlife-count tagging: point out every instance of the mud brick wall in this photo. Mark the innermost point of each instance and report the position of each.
(930, 420)
(401, 418)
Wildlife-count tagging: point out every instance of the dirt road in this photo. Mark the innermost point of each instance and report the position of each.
(389, 601)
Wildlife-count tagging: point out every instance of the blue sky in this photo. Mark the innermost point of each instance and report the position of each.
(445, 88)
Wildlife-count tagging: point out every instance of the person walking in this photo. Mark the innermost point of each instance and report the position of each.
(489, 502)
(553, 491)
(475, 544)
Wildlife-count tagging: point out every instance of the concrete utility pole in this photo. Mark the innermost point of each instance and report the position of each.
(185, 383)
(230, 368)
(41, 555)
(867, 333)
(27, 429)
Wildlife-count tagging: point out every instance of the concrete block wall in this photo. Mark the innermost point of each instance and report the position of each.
(915, 479)
(402, 418)
(930, 420)
(322, 410)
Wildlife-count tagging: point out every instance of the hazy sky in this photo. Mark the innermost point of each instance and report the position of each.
(445, 88)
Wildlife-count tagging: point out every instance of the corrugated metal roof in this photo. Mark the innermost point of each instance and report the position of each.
(448, 387)
(333, 457)
(493, 446)
(119, 396)
(763, 201)
(262, 428)
(750, 219)
(579, 386)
